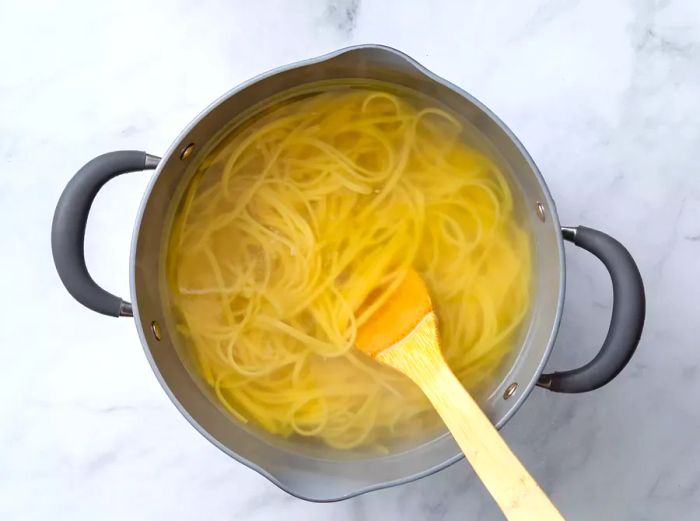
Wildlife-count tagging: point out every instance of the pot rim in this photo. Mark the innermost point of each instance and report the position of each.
(174, 150)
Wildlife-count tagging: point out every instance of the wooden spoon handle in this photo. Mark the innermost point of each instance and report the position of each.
(514, 490)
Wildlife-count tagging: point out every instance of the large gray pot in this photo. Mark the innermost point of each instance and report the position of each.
(308, 472)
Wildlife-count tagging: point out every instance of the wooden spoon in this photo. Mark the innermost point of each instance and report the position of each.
(402, 333)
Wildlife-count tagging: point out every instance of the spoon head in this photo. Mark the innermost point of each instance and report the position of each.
(396, 318)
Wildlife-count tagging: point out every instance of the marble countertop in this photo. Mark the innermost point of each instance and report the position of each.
(605, 96)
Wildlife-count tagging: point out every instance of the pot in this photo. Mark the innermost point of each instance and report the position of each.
(303, 471)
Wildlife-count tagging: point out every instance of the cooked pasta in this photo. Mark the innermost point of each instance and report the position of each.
(302, 221)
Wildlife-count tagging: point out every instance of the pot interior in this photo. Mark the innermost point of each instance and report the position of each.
(304, 468)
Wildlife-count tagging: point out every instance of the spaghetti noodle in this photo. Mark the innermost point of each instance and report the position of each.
(300, 224)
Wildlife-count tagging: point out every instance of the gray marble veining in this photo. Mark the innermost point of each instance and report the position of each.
(605, 96)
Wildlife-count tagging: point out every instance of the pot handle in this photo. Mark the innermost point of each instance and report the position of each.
(70, 219)
(627, 316)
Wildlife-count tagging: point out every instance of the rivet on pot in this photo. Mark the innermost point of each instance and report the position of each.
(539, 210)
(187, 151)
(510, 390)
(155, 327)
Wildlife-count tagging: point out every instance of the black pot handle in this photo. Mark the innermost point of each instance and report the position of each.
(70, 219)
(627, 316)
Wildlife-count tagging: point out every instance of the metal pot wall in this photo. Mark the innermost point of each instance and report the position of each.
(306, 471)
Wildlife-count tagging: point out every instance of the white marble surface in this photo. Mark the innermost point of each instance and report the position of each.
(606, 97)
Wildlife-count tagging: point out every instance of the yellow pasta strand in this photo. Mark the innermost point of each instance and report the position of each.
(300, 224)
